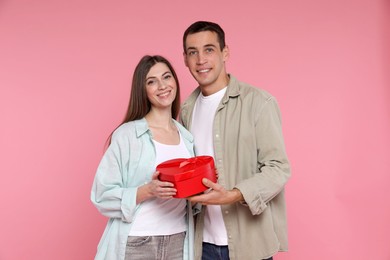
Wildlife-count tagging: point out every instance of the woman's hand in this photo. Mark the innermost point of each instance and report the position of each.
(155, 189)
(161, 189)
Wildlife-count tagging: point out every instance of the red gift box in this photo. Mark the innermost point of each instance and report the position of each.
(187, 174)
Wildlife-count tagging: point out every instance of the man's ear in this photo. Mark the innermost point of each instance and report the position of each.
(226, 53)
(185, 59)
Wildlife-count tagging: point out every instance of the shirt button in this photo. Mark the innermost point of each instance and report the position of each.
(217, 136)
(226, 212)
(230, 237)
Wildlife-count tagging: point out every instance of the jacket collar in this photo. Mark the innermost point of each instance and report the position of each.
(232, 90)
(141, 127)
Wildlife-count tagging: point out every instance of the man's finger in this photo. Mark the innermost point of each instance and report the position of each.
(195, 198)
(209, 183)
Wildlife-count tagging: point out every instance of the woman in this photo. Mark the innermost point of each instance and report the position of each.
(145, 221)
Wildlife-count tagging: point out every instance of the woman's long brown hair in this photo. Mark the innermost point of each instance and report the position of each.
(139, 104)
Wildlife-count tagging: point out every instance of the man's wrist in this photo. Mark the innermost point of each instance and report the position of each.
(237, 197)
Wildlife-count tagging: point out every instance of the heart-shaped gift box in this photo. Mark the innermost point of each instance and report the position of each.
(187, 174)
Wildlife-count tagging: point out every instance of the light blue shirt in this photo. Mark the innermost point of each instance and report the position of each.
(127, 164)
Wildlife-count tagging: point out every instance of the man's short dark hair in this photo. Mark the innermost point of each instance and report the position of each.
(202, 26)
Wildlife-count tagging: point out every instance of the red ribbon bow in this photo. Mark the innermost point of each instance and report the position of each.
(192, 160)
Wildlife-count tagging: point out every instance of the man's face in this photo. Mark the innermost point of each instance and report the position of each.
(206, 61)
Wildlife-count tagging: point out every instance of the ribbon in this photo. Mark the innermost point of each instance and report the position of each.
(190, 167)
(192, 160)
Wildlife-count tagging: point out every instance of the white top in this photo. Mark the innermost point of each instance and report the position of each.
(162, 216)
(214, 230)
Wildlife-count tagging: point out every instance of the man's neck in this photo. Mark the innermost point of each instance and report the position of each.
(208, 90)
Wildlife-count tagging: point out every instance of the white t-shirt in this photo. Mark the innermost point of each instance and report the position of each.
(162, 216)
(214, 231)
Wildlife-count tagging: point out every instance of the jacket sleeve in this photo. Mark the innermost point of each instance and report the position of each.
(109, 193)
(273, 169)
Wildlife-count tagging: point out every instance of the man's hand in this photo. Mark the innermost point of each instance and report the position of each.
(217, 195)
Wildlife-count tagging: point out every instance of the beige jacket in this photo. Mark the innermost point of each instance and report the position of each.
(249, 155)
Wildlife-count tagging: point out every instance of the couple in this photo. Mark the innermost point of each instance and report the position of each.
(243, 216)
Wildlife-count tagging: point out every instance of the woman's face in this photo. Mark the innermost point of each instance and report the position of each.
(160, 86)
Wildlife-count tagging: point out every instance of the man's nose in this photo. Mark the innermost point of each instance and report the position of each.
(201, 58)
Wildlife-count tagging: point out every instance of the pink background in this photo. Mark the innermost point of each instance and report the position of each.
(65, 70)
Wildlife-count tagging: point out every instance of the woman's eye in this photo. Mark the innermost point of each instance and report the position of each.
(168, 77)
(150, 82)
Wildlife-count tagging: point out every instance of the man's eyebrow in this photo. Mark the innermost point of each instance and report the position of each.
(210, 45)
(204, 46)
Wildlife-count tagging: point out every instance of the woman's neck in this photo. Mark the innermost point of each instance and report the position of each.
(163, 128)
(160, 119)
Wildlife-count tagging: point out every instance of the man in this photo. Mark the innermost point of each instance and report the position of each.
(239, 125)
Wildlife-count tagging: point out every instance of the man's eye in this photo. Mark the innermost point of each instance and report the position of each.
(191, 53)
(209, 50)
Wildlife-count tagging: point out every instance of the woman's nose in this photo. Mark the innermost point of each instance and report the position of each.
(162, 85)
